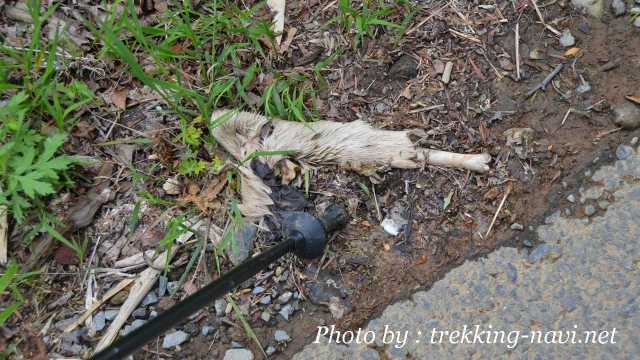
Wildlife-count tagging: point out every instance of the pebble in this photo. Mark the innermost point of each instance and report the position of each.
(207, 329)
(99, 321)
(618, 7)
(240, 250)
(337, 307)
(153, 314)
(174, 339)
(111, 314)
(567, 212)
(527, 242)
(173, 286)
(281, 336)
(516, 226)
(286, 311)
(238, 354)
(571, 198)
(265, 316)
(627, 115)
(567, 38)
(270, 350)
(162, 285)
(150, 299)
(634, 141)
(236, 345)
(257, 290)
(446, 73)
(266, 300)
(636, 22)
(134, 325)
(220, 305)
(537, 54)
(603, 204)
(139, 313)
(285, 297)
(589, 210)
(172, 186)
(623, 151)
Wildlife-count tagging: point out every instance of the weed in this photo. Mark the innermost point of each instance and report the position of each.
(362, 20)
(245, 324)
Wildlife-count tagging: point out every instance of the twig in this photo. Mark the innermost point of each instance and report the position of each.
(543, 85)
(518, 51)
(434, 13)
(504, 198)
(138, 291)
(375, 201)
(114, 290)
(549, 27)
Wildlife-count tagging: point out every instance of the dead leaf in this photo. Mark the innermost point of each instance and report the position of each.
(406, 93)
(119, 98)
(574, 51)
(205, 200)
(635, 98)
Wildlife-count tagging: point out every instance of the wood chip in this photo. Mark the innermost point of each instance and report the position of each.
(446, 75)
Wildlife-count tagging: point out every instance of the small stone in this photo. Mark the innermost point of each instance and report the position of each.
(207, 329)
(286, 311)
(242, 244)
(603, 204)
(285, 297)
(257, 290)
(99, 321)
(634, 141)
(110, 314)
(446, 74)
(150, 299)
(634, 10)
(238, 354)
(174, 339)
(405, 68)
(134, 325)
(583, 87)
(624, 151)
(588, 173)
(589, 210)
(139, 313)
(567, 38)
(337, 307)
(537, 54)
(636, 22)
(281, 336)
(516, 226)
(584, 28)
(162, 285)
(266, 300)
(571, 198)
(627, 115)
(173, 286)
(567, 212)
(153, 314)
(172, 186)
(220, 305)
(265, 316)
(270, 350)
(618, 7)
(527, 242)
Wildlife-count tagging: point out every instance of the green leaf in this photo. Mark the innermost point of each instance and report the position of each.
(31, 185)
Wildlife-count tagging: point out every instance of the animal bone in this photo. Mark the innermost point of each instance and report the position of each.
(354, 145)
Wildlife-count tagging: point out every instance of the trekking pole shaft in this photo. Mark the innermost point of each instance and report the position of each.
(182, 310)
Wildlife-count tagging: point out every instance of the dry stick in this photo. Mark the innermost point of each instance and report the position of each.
(504, 198)
(375, 200)
(139, 290)
(114, 290)
(547, 80)
(549, 27)
(518, 51)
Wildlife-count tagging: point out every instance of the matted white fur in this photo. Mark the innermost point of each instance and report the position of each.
(354, 145)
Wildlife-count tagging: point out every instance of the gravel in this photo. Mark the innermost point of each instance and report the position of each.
(111, 314)
(516, 226)
(174, 339)
(99, 321)
(281, 336)
(567, 38)
(285, 297)
(265, 316)
(220, 306)
(150, 299)
(238, 354)
(623, 151)
(134, 325)
(571, 198)
(589, 210)
(618, 7)
(627, 115)
(286, 311)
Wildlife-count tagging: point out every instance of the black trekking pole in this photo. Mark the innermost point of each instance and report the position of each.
(302, 234)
